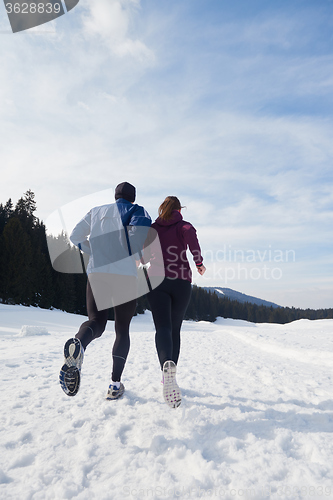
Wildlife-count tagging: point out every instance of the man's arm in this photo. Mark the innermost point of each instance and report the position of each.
(80, 233)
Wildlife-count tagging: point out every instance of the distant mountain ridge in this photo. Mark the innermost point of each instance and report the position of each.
(240, 297)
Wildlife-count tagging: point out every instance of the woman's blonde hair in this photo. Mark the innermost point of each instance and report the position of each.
(169, 204)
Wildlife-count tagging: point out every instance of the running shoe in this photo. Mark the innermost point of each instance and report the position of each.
(114, 392)
(171, 392)
(69, 376)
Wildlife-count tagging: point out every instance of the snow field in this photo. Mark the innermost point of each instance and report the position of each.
(256, 418)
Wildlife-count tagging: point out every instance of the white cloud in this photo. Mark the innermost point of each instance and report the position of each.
(110, 21)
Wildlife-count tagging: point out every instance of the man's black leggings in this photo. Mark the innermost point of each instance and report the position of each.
(168, 303)
(96, 324)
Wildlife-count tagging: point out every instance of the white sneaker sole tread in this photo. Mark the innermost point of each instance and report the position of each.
(69, 376)
(171, 392)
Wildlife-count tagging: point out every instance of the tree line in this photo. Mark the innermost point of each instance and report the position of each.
(28, 278)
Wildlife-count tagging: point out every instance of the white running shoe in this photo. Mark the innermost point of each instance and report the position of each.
(69, 376)
(114, 392)
(171, 392)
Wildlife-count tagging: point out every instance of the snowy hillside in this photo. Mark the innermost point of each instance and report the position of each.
(256, 419)
(240, 297)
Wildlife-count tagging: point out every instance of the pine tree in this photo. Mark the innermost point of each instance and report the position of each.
(3, 218)
(25, 208)
(5, 213)
(43, 291)
(16, 269)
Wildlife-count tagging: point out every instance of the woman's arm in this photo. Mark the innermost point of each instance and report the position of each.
(190, 237)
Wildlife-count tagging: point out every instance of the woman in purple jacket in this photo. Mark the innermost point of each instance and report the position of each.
(169, 301)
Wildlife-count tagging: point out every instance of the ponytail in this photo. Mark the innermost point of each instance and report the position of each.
(169, 204)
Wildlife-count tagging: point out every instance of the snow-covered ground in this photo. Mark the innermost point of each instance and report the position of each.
(256, 419)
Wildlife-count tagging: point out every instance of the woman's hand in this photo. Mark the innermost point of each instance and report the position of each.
(201, 269)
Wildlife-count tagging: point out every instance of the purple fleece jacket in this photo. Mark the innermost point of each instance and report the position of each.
(176, 235)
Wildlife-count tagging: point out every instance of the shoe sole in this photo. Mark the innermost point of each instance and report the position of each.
(118, 395)
(69, 376)
(171, 392)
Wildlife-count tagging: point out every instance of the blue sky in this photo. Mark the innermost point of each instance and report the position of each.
(227, 105)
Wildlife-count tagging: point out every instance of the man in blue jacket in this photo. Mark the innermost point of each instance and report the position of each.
(113, 236)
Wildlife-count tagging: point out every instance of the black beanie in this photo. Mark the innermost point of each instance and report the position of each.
(125, 190)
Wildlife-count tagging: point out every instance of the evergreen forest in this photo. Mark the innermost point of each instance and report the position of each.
(28, 278)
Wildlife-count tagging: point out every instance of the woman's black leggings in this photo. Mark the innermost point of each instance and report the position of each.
(168, 303)
(96, 324)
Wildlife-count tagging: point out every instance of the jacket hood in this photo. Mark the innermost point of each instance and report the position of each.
(176, 217)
